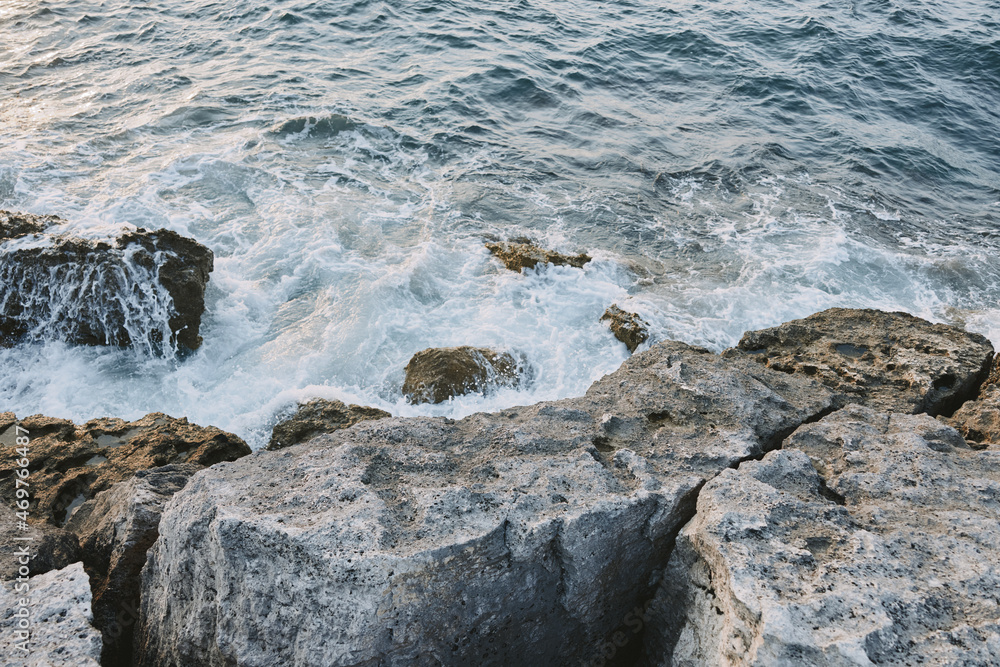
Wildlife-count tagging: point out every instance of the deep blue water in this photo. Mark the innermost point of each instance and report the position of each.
(729, 165)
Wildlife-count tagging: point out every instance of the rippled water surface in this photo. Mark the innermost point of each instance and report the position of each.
(729, 165)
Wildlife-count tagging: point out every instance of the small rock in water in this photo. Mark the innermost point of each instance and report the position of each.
(437, 374)
(627, 327)
(319, 416)
(522, 254)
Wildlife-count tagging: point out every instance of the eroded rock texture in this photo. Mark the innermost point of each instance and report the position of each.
(50, 548)
(522, 537)
(62, 634)
(70, 464)
(523, 254)
(888, 361)
(869, 539)
(979, 420)
(107, 481)
(627, 327)
(319, 416)
(115, 530)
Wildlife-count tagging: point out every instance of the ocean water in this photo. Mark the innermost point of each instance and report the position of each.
(729, 165)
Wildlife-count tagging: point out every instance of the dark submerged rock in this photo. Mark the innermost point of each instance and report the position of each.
(142, 288)
(436, 374)
(523, 254)
(888, 361)
(627, 327)
(15, 225)
(319, 416)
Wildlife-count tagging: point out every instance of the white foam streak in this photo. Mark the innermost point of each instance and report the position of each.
(339, 257)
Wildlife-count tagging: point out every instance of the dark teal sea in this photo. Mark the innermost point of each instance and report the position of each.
(730, 165)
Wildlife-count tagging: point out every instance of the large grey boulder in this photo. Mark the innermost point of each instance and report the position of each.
(888, 361)
(59, 616)
(143, 288)
(522, 537)
(869, 539)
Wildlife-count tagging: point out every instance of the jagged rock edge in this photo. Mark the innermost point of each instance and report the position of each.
(825, 491)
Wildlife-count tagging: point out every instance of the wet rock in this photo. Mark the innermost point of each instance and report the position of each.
(526, 255)
(522, 537)
(116, 528)
(15, 225)
(144, 288)
(71, 464)
(888, 361)
(61, 633)
(319, 416)
(871, 538)
(182, 267)
(437, 374)
(50, 548)
(627, 327)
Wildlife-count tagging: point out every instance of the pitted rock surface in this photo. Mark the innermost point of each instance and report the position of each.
(70, 464)
(888, 361)
(869, 539)
(521, 537)
(62, 634)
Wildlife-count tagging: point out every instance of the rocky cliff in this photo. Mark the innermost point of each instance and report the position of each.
(650, 521)
(826, 493)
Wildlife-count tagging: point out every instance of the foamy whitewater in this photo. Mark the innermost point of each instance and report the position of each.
(729, 166)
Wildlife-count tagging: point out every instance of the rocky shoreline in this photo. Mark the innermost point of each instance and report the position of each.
(826, 492)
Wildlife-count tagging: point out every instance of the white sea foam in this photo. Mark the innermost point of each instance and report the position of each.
(330, 273)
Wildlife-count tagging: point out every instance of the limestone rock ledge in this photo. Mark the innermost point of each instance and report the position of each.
(521, 537)
(888, 361)
(532, 535)
(870, 538)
